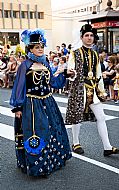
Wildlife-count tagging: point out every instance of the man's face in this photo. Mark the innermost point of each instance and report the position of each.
(88, 39)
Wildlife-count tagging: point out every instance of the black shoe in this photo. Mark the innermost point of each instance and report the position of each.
(77, 149)
(110, 152)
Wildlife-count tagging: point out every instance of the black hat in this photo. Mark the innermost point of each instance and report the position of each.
(35, 38)
(87, 28)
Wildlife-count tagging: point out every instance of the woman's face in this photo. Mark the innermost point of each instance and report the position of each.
(38, 50)
(109, 63)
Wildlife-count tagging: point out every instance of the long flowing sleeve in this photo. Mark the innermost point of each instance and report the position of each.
(19, 88)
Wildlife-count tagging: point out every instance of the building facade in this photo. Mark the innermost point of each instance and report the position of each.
(17, 15)
(66, 22)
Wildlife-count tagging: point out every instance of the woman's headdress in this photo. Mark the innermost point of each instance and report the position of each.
(30, 37)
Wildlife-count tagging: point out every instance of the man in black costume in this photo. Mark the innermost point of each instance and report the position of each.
(87, 92)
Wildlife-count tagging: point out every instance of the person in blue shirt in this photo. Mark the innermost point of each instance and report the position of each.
(55, 65)
(64, 51)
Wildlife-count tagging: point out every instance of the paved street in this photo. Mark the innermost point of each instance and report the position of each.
(92, 171)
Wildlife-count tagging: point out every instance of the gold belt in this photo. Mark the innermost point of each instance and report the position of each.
(39, 97)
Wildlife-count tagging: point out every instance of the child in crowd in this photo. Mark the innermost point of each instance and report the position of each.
(55, 65)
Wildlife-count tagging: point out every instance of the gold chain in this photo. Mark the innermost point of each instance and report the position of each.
(36, 74)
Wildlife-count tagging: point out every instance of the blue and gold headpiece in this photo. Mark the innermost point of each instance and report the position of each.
(30, 37)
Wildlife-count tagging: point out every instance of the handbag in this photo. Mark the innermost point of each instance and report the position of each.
(35, 144)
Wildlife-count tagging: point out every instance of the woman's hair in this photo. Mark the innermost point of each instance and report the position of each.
(111, 59)
(101, 58)
(116, 59)
(117, 68)
(29, 47)
(63, 58)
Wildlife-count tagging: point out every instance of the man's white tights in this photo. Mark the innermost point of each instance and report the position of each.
(101, 125)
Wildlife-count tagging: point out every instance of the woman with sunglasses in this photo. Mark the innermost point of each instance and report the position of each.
(42, 144)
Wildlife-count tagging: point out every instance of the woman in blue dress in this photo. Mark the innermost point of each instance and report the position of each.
(41, 140)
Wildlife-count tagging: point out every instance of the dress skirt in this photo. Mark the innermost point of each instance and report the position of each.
(48, 123)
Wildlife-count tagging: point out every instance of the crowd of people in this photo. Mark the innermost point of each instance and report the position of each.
(58, 59)
(9, 63)
(110, 73)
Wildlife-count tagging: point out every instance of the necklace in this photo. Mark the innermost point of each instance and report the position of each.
(90, 62)
(88, 53)
(37, 77)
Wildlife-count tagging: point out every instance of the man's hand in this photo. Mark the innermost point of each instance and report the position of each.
(18, 114)
(71, 73)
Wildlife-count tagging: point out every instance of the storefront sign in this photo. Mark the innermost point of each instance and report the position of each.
(106, 24)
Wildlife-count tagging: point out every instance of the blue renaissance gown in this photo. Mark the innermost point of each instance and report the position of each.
(41, 118)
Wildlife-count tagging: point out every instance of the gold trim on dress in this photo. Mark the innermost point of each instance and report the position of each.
(20, 148)
(39, 97)
(21, 135)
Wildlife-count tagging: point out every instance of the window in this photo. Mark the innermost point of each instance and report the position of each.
(94, 8)
(13, 38)
(31, 15)
(1, 14)
(15, 14)
(10, 38)
(24, 14)
(7, 13)
(40, 15)
(90, 9)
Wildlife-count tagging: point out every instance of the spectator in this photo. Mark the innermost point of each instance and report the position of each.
(101, 58)
(69, 48)
(105, 57)
(108, 75)
(55, 65)
(62, 65)
(58, 49)
(64, 50)
(11, 73)
(116, 84)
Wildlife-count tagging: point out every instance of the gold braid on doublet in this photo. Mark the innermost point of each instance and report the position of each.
(76, 111)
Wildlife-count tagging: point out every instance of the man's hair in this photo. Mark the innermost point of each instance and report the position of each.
(63, 44)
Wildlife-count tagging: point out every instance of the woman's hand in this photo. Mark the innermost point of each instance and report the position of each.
(18, 114)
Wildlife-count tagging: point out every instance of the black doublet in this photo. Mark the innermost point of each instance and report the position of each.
(37, 85)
